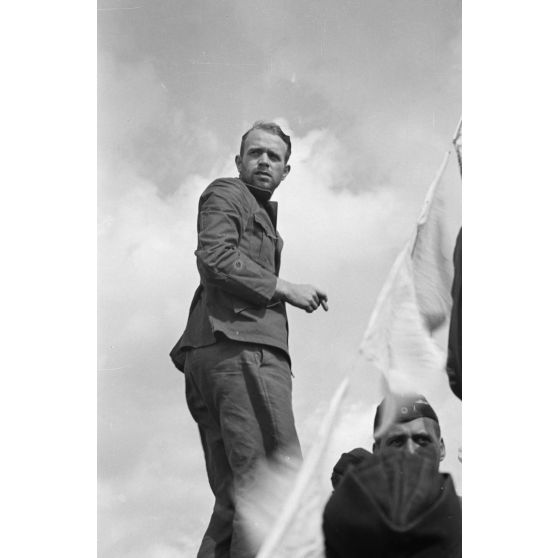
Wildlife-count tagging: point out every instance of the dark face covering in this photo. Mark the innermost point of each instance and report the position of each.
(394, 505)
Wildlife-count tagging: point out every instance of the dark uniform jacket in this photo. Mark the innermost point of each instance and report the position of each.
(238, 258)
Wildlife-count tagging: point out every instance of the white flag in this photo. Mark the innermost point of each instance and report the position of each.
(431, 257)
(414, 302)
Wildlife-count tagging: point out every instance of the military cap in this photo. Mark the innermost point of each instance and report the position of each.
(403, 408)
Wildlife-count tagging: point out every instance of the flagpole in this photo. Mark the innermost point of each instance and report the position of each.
(457, 150)
(457, 131)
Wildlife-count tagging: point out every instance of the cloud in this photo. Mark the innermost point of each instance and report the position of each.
(160, 504)
(141, 127)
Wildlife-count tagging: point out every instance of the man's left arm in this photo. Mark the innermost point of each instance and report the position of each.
(220, 261)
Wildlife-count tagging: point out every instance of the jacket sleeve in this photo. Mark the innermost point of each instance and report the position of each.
(221, 219)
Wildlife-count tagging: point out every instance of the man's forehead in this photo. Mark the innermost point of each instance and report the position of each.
(421, 424)
(262, 138)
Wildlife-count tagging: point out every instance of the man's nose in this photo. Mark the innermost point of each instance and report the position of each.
(263, 160)
(410, 446)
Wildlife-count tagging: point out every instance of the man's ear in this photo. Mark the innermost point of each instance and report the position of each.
(238, 162)
(286, 171)
(442, 449)
(373, 447)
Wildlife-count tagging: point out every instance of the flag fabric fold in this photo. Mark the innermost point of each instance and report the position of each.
(414, 302)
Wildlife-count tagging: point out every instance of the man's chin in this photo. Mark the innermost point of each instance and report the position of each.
(263, 182)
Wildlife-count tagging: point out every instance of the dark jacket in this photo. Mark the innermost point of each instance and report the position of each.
(394, 505)
(238, 258)
(454, 339)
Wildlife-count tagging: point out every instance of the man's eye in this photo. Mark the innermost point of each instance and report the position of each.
(397, 443)
(423, 441)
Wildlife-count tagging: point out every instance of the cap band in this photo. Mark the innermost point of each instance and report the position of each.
(404, 409)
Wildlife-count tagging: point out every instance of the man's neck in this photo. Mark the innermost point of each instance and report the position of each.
(261, 194)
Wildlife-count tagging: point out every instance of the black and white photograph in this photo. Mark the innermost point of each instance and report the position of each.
(232, 246)
(279, 278)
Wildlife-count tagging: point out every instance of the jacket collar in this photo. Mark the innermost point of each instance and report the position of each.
(271, 207)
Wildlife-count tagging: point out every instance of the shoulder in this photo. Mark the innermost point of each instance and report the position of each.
(346, 461)
(225, 193)
(227, 187)
(351, 458)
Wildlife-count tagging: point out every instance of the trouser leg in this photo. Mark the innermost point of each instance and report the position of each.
(217, 538)
(269, 388)
(245, 391)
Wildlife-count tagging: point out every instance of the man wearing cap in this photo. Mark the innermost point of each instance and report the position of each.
(394, 502)
(234, 352)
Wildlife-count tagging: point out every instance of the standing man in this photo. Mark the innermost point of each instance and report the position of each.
(234, 351)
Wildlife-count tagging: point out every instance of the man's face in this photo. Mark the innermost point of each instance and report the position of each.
(409, 436)
(262, 163)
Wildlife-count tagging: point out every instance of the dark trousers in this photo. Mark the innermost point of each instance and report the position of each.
(240, 396)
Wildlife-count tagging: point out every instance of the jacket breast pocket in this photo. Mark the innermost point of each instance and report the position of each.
(263, 241)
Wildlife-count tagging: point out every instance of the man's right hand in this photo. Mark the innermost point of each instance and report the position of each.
(306, 297)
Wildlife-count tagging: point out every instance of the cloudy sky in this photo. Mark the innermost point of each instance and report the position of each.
(370, 92)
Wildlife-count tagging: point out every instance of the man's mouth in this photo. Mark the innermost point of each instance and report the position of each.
(262, 173)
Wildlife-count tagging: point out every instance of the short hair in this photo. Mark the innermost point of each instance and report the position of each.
(272, 128)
